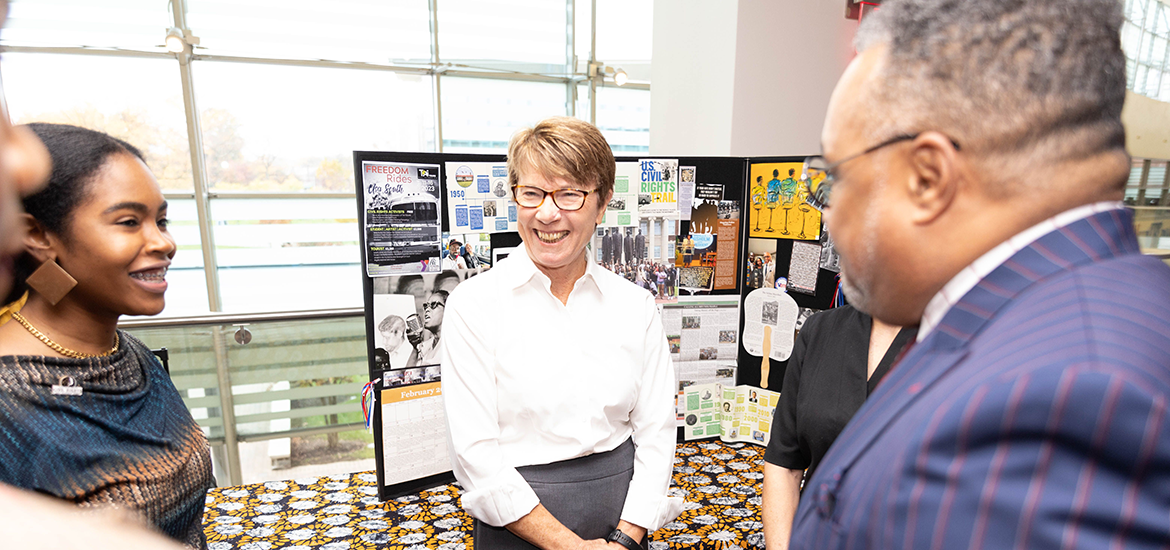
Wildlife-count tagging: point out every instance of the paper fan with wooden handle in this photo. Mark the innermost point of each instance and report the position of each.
(769, 324)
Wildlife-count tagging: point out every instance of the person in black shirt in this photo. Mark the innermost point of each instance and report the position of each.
(838, 359)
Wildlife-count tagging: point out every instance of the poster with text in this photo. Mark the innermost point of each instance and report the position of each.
(686, 191)
(478, 198)
(400, 224)
(778, 206)
(714, 229)
(802, 269)
(658, 188)
(703, 334)
(622, 210)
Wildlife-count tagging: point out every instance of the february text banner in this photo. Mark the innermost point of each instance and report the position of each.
(406, 393)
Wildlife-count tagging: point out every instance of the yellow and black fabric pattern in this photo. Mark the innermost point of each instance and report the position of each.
(720, 483)
(127, 440)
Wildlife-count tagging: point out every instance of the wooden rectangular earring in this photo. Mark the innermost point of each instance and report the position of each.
(51, 281)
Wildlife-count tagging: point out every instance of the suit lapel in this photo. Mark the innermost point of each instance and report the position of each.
(1100, 236)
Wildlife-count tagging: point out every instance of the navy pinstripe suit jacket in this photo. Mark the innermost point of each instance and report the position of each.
(1033, 416)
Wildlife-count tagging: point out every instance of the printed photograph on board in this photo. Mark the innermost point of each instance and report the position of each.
(630, 253)
(408, 317)
(779, 207)
(761, 264)
(468, 251)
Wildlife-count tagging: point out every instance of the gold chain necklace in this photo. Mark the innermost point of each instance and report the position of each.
(58, 347)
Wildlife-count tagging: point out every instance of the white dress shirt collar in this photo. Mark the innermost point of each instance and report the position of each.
(519, 269)
(970, 276)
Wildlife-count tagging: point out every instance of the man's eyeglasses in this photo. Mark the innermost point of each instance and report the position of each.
(565, 199)
(817, 173)
(433, 305)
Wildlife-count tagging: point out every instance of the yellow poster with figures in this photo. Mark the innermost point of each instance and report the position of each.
(777, 203)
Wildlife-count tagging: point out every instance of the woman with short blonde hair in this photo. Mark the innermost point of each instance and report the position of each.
(557, 376)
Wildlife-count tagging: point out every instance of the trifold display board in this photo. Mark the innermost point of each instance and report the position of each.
(687, 229)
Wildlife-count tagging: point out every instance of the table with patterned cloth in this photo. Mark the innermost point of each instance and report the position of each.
(720, 482)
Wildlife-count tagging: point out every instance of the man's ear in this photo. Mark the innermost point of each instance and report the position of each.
(935, 176)
(37, 240)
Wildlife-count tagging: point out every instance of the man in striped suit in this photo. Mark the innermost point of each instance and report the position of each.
(976, 162)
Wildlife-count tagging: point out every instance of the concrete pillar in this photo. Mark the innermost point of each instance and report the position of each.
(745, 77)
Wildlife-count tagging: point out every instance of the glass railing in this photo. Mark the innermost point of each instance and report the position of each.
(278, 395)
(1152, 225)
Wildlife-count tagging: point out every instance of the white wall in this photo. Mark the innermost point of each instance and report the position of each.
(745, 77)
(1147, 126)
(789, 56)
(694, 74)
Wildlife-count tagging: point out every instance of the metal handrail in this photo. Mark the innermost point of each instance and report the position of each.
(189, 195)
(242, 318)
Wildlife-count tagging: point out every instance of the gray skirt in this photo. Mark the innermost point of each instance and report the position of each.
(586, 494)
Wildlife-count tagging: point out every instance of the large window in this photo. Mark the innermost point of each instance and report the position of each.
(480, 115)
(493, 31)
(372, 31)
(138, 100)
(1145, 37)
(1148, 184)
(282, 93)
(128, 24)
(293, 128)
(623, 115)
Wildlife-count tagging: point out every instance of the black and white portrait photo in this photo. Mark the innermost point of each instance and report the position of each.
(770, 313)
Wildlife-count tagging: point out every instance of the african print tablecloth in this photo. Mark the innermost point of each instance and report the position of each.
(720, 483)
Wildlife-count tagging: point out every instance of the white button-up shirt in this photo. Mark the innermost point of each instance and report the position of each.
(529, 380)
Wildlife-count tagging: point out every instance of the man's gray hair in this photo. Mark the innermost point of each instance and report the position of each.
(392, 322)
(1001, 77)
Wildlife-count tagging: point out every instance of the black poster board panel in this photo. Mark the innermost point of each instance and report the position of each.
(749, 365)
(390, 491)
(508, 239)
(731, 172)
